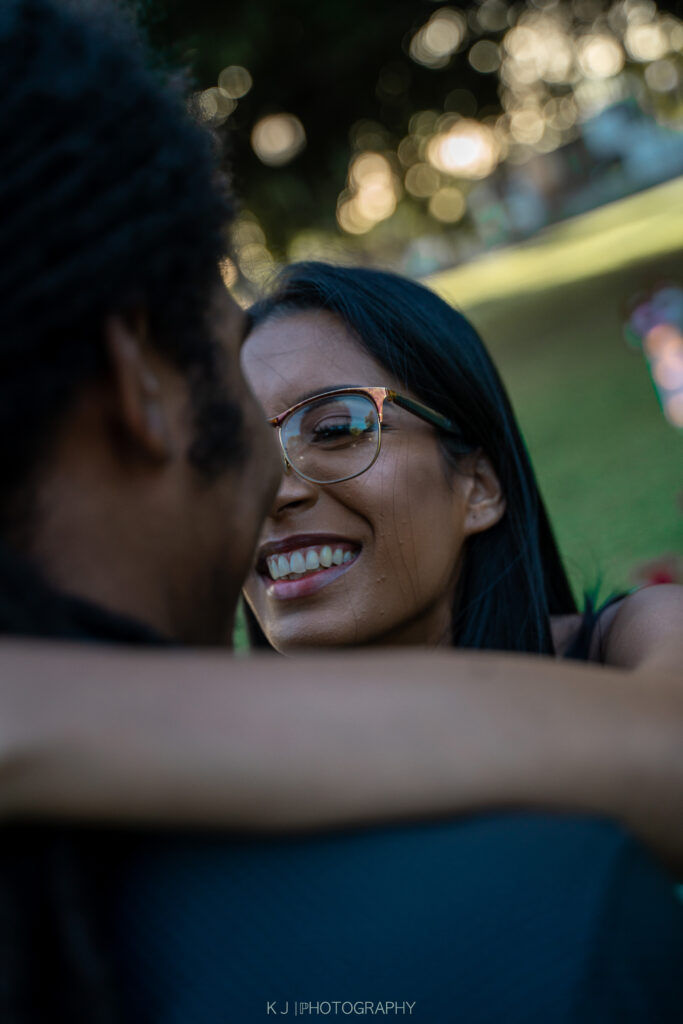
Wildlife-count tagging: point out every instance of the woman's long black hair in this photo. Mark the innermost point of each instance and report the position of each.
(513, 578)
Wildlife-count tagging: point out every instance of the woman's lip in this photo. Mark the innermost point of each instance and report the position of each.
(284, 590)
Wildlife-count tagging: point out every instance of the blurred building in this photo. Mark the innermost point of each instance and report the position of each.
(619, 151)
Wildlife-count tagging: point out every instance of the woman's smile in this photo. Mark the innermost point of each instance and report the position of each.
(300, 565)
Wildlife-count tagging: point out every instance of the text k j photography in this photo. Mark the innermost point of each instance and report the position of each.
(333, 1008)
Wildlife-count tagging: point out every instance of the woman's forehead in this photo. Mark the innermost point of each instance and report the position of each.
(293, 354)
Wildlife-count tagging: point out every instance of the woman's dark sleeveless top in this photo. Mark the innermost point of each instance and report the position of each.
(579, 648)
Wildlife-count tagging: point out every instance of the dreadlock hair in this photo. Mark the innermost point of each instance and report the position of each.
(109, 198)
(513, 578)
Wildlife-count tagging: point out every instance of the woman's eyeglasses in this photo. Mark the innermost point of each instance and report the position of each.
(337, 435)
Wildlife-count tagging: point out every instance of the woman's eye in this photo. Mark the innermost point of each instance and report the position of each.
(334, 430)
(338, 424)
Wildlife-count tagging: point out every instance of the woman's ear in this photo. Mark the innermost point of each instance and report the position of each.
(485, 498)
(138, 396)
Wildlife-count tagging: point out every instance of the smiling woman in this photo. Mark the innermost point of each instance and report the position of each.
(408, 511)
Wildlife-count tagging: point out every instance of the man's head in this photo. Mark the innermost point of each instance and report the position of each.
(128, 433)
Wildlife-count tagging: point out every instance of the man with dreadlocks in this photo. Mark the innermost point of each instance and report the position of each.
(136, 470)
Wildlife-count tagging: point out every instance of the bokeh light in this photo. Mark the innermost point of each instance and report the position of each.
(278, 138)
(662, 76)
(600, 56)
(368, 170)
(668, 371)
(372, 193)
(215, 106)
(367, 134)
(538, 48)
(252, 259)
(656, 324)
(235, 81)
(422, 180)
(434, 44)
(661, 342)
(256, 263)
(527, 125)
(448, 205)
(494, 15)
(350, 218)
(424, 122)
(247, 230)
(484, 56)
(673, 410)
(408, 150)
(469, 150)
(560, 114)
(229, 272)
(646, 41)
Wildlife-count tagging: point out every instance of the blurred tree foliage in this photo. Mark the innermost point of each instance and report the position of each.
(334, 64)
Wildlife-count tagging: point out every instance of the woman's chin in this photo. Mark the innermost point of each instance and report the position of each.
(312, 637)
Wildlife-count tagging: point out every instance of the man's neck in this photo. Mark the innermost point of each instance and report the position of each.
(30, 606)
(103, 577)
(93, 540)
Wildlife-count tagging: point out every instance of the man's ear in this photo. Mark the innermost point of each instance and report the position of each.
(485, 498)
(137, 391)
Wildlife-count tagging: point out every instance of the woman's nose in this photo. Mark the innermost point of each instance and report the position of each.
(294, 492)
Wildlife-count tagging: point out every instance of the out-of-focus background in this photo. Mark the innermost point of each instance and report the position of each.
(524, 158)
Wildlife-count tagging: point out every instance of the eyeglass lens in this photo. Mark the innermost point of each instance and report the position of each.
(332, 438)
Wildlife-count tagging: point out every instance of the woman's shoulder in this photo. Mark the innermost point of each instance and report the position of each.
(648, 629)
(583, 637)
(643, 627)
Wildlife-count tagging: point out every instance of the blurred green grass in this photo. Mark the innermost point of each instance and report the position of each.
(551, 310)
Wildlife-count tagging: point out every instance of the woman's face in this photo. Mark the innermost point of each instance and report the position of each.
(395, 534)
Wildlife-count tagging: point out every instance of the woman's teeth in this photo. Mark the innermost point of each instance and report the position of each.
(306, 560)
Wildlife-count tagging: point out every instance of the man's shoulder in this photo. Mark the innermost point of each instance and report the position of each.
(511, 917)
